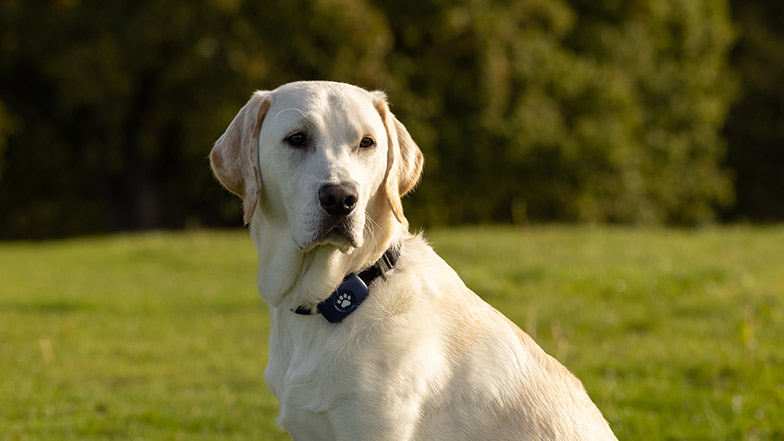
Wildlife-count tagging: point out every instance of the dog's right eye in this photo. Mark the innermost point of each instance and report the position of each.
(297, 140)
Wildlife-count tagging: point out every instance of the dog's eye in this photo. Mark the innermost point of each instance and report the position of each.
(367, 142)
(297, 139)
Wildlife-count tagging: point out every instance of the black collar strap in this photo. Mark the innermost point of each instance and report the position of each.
(353, 290)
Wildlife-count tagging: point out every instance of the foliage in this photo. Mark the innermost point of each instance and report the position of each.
(590, 111)
(755, 131)
(162, 336)
(534, 109)
(6, 126)
(121, 101)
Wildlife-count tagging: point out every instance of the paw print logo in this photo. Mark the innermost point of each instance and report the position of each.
(344, 300)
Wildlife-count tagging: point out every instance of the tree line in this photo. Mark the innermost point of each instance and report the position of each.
(645, 111)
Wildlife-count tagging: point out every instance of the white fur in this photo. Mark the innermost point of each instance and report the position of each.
(423, 358)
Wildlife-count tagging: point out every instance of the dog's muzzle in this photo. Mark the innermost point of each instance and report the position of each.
(338, 202)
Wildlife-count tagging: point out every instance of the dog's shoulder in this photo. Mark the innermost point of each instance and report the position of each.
(470, 323)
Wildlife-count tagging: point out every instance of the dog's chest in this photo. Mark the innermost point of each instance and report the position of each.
(304, 358)
(302, 424)
(307, 375)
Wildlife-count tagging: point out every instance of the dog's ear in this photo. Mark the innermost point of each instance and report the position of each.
(234, 156)
(404, 160)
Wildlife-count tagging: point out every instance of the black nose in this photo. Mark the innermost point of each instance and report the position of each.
(338, 199)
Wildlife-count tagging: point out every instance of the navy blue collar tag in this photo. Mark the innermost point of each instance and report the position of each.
(353, 290)
(344, 300)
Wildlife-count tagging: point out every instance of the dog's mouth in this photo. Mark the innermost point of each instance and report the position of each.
(341, 237)
(339, 233)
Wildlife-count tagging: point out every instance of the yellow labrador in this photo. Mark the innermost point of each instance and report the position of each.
(374, 337)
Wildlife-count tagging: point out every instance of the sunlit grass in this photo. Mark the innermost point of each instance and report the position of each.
(676, 334)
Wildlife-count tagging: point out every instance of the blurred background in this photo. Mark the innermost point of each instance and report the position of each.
(592, 111)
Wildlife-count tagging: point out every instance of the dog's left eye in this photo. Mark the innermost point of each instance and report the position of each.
(367, 142)
(297, 139)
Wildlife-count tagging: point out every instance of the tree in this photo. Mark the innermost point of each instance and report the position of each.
(754, 128)
(579, 110)
(566, 110)
(6, 127)
(121, 101)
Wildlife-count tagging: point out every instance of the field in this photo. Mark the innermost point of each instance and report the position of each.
(676, 334)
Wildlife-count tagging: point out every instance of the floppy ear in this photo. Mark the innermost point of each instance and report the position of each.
(234, 157)
(404, 159)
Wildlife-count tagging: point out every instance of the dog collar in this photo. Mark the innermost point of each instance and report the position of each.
(353, 290)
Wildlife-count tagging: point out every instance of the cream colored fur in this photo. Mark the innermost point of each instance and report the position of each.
(423, 358)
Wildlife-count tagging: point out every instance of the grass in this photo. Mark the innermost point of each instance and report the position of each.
(676, 334)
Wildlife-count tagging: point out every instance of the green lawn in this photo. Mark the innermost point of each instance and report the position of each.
(676, 334)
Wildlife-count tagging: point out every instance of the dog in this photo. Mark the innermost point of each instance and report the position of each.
(374, 336)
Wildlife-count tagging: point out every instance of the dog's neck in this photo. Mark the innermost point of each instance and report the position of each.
(288, 278)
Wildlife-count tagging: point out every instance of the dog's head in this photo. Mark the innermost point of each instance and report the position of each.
(322, 162)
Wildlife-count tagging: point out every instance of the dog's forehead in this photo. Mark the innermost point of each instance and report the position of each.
(326, 102)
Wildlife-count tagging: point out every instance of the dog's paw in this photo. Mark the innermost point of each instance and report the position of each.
(344, 300)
